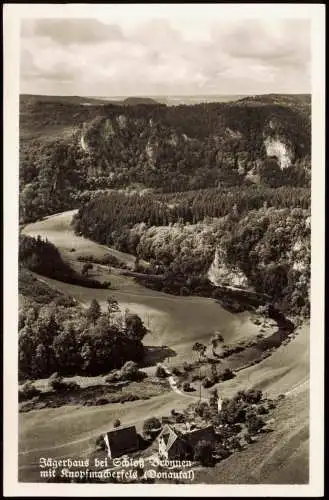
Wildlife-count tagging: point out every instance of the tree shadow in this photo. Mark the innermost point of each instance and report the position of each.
(232, 306)
(157, 354)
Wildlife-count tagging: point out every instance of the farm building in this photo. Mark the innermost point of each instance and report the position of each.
(178, 441)
(121, 440)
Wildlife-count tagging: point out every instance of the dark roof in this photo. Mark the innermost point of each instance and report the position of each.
(191, 437)
(205, 433)
(122, 440)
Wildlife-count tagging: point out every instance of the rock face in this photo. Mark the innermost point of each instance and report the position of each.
(276, 147)
(83, 143)
(220, 273)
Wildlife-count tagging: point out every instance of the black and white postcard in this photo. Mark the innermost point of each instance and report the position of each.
(164, 250)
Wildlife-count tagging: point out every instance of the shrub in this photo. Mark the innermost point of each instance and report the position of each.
(160, 372)
(203, 452)
(129, 370)
(253, 397)
(187, 388)
(202, 410)
(114, 376)
(176, 371)
(179, 418)
(65, 301)
(221, 452)
(28, 391)
(152, 427)
(116, 423)
(101, 401)
(187, 367)
(207, 382)
(262, 410)
(254, 423)
(57, 383)
(227, 374)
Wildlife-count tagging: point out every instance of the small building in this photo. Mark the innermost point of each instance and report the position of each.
(121, 440)
(178, 441)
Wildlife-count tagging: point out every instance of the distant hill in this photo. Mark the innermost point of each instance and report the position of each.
(84, 101)
(31, 99)
(131, 101)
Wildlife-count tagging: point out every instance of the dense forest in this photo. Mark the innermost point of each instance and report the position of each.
(267, 246)
(71, 341)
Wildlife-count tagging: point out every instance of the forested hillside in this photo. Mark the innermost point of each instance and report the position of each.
(68, 151)
(216, 191)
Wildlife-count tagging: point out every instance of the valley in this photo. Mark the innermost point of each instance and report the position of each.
(177, 322)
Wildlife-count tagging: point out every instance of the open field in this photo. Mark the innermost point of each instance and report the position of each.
(176, 322)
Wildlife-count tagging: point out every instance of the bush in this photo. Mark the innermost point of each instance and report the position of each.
(203, 452)
(28, 391)
(221, 452)
(207, 382)
(116, 423)
(179, 418)
(202, 410)
(57, 383)
(187, 388)
(176, 371)
(101, 401)
(160, 372)
(253, 397)
(254, 423)
(262, 410)
(152, 426)
(226, 375)
(187, 367)
(65, 301)
(129, 372)
(114, 376)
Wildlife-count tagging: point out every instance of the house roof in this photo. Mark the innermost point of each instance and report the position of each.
(196, 435)
(170, 433)
(122, 439)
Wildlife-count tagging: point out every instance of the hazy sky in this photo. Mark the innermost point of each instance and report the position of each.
(164, 56)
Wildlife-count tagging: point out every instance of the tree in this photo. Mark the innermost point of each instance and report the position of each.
(130, 371)
(112, 307)
(151, 427)
(135, 328)
(187, 387)
(213, 401)
(203, 452)
(87, 266)
(160, 372)
(254, 422)
(215, 340)
(66, 350)
(94, 311)
(199, 348)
